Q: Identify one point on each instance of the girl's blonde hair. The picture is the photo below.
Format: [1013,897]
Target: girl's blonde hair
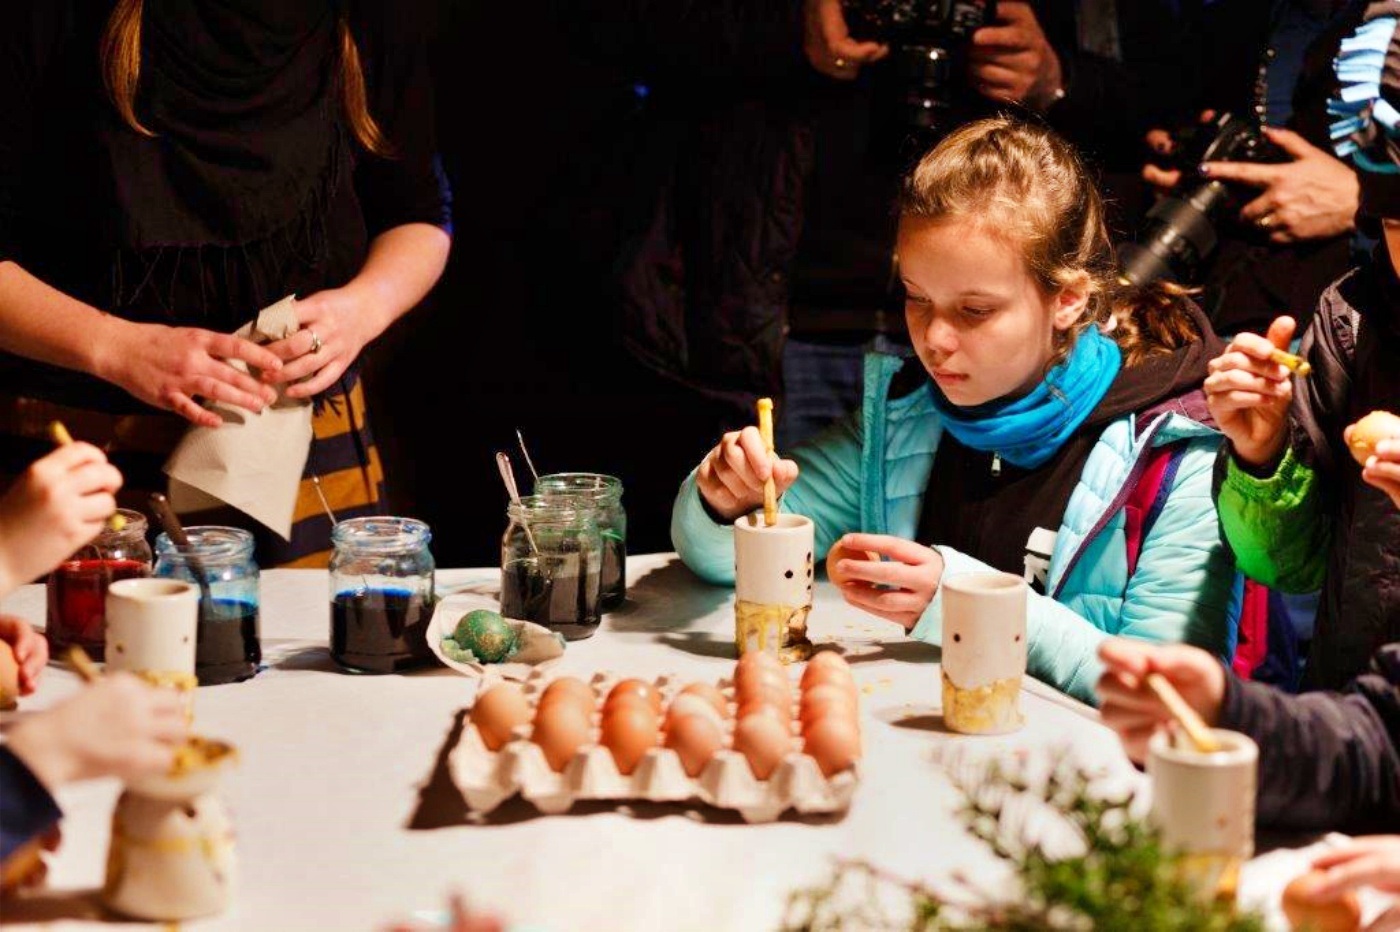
[1026,185]
[121,72]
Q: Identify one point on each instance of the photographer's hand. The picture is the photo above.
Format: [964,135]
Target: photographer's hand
[1312,197]
[1013,60]
[827,41]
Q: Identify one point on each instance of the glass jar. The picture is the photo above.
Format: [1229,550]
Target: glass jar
[551,565]
[381,594]
[604,495]
[221,564]
[77,588]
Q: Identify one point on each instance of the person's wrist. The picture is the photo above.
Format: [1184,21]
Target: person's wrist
[35,741]
[1259,461]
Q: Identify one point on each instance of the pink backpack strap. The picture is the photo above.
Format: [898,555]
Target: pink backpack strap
[1147,497]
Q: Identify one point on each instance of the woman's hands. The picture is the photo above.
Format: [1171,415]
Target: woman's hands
[1248,394]
[731,477]
[169,367]
[897,588]
[336,324]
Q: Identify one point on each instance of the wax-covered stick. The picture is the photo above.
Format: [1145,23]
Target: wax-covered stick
[1294,363]
[770,488]
[1201,736]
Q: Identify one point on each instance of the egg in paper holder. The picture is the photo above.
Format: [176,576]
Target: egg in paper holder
[488,778]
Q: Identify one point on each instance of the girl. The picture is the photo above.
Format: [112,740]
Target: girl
[1051,431]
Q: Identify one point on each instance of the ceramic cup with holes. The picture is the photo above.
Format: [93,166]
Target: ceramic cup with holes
[1203,804]
[152,626]
[984,652]
[773,580]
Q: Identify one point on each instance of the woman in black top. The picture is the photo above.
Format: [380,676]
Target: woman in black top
[168,168]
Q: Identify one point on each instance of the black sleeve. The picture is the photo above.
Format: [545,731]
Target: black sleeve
[33,29]
[1320,406]
[26,808]
[409,184]
[1326,760]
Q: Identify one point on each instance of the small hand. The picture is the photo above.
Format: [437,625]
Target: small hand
[1315,196]
[1130,707]
[56,505]
[1248,394]
[118,726]
[169,367]
[827,41]
[911,571]
[30,648]
[1382,469]
[333,332]
[1013,60]
[1367,861]
[731,477]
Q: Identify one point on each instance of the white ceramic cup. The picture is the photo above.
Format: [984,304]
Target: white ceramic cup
[984,652]
[152,625]
[773,567]
[1203,804]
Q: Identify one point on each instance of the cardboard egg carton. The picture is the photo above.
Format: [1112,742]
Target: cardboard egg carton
[488,778]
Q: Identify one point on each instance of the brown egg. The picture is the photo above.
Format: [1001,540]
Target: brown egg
[711,694]
[560,730]
[571,690]
[1338,915]
[695,739]
[824,674]
[782,714]
[9,677]
[758,658]
[763,741]
[634,687]
[498,711]
[838,553]
[754,682]
[833,743]
[1369,431]
[629,731]
[824,700]
[684,706]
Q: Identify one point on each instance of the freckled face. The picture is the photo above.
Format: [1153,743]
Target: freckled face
[980,325]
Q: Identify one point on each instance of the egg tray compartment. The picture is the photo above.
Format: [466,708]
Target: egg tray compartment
[488,778]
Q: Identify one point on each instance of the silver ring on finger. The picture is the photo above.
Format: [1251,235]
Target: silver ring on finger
[316,343]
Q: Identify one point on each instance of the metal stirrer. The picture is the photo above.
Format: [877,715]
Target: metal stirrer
[508,477]
[526,453]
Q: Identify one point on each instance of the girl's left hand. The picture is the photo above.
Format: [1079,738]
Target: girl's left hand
[334,329]
[1382,469]
[912,570]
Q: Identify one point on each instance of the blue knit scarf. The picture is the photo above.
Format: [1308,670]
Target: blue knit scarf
[1026,431]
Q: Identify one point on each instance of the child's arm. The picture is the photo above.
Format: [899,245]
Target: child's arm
[1326,760]
[1181,591]
[827,490]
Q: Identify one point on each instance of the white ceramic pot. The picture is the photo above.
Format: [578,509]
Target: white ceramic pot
[984,652]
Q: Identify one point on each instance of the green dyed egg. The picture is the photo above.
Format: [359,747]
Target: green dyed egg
[486,634]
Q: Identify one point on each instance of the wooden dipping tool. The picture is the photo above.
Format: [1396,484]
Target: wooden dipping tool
[1196,729]
[83,664]
[60,436]
[770,488]
[1293,363]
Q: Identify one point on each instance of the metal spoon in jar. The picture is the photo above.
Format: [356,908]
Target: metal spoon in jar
[508,477]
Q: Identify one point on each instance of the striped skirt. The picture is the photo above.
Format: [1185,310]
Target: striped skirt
[342,454]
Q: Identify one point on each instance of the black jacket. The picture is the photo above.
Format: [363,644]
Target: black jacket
[1327,760]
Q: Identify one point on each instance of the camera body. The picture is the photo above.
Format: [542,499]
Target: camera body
[928,41]
[1179,233]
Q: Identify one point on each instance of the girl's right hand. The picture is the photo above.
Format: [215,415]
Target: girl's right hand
[732,476]
[1248,394]
[169,367]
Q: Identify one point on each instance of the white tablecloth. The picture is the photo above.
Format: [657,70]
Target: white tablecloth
[346,818]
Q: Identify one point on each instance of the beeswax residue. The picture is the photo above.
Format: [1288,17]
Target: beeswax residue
[992,709]
[780,629]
